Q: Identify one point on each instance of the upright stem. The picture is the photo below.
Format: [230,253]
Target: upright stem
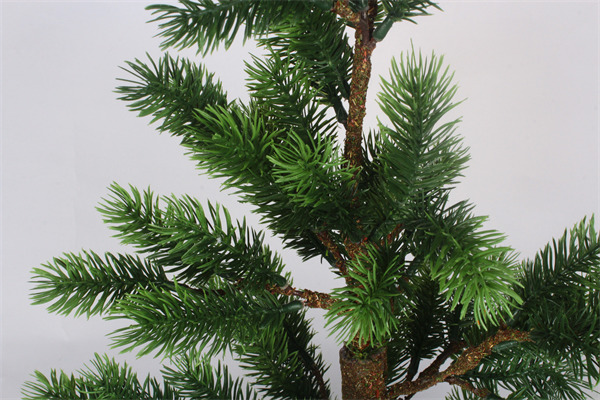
[362,377]
[361,74]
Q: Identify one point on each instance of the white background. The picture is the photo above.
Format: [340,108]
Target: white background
[528,69]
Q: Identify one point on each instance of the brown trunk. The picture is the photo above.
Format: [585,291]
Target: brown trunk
[363,378]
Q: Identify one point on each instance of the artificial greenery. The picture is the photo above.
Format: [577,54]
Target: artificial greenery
[423,285]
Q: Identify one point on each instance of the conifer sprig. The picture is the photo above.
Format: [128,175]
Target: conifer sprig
[364,310]
[105,379]
[522,370]
[286,365]
[421,152]
[88,284]
[396,11]
[170,89]
[326,57]
[180,236]
[421,330]
[205,23]
[469,264]
[561,299]
[170,322]
[195,378]
[288,96]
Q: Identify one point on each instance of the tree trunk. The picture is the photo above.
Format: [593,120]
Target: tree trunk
[363,378]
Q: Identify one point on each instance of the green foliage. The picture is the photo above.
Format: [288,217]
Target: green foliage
[522,369]
[422,274]
[468,263]
[105,380]
[284,364]
[195,378]
[419,157]
[286,95]
[400,10]
[365,310]
[181,238]
[170,89]
[87,284]
[242,148]
[561,300]
[420,154]
[233,143]
[313,176]
[205,24]
[214,318]
[407,9]
[421,329]
[324,57]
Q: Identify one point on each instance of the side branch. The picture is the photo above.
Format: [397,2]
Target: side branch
[342,8]
[472,356]
[333,248]
[468,359]
[310,365]
[467,386]
[434,368]
[311,299]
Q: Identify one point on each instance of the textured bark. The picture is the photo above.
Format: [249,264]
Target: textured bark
[361,74]
[466,361]
[363,378]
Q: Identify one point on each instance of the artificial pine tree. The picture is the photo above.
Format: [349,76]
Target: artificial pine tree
[428,295]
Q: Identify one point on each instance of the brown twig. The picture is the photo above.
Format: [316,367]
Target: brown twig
[449,351]
[309,363]
[467,386]
[393,235]
[469,359]
[332,247]
[342,8]
[311,298]
[361,74]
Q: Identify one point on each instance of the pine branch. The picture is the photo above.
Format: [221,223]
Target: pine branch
[561,299]
[235,142]
[170,323]
[195,378]
[324,56]
[205,24]
[105,380]
[425,328]
[311,364]
[242,149]
[528,372]
[87,284]
[171,90]
[468,360]
[181,237]
[396,11]
[419,153]
[282,88]
[363,310]
[284,364]
[466,260]
[310,298]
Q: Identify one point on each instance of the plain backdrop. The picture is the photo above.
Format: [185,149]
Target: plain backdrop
[527,69]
